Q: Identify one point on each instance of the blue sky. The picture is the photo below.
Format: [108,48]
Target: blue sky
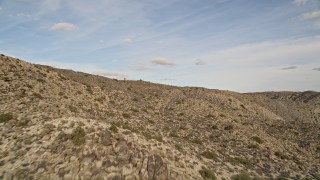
[239,45]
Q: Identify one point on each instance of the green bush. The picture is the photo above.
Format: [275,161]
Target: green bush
[253,146]
[89,89]
[257,139]
[197,141]
[210,116]
[37,95]
[239,160]
[5,117]
[125,115]
[78,136]
[210,155]
[229,127]
[207,174]
[114,128]
[241,176]
[281,155]
[214,126]
[148,135]
[72,108]
[178,147]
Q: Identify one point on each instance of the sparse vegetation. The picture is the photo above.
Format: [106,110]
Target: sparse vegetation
[5,117]
[66,125]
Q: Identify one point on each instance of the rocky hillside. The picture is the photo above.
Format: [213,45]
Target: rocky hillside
[61,124]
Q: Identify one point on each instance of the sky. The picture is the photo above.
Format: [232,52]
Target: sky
[237,45]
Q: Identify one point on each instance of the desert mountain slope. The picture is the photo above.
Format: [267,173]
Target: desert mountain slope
[61,124]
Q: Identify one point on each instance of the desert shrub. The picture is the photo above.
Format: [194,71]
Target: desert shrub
[62,77]
[239,160]
[148,135]
[178,147]
[173,134]
[241,176]
[79,92]
[89,89]
[209,155]
[5,117]
[214,126]
[252,146]
[78,136]
[207,174]
[127,126]
[113,128]
[296,160]
[125,115]
[100,99]
[141,128]
[37,95]
[281,155]
[134,110]
[210,116]
[222,115]
[72,108]
[41,80]
[197,141]
[229,127]
[257,139]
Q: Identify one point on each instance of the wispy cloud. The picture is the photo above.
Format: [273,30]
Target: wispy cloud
[300,2]
[270,52]
[316,69]
[162,61]
[127,40]
[199,62]
[315,15]
[289,68]
[159,61]
[167,79]
[23,15]
[50,5]
[63,26]
[110,74]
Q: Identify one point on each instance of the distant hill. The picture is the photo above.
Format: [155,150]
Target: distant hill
[62,124]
